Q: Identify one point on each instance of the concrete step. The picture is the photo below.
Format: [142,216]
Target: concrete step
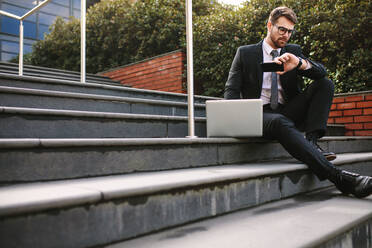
[38,71]
[323,219]
[53,123]
[47,99]
[92,88]
[30,160]
[99,211]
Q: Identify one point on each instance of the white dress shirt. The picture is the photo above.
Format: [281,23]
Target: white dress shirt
[266,82]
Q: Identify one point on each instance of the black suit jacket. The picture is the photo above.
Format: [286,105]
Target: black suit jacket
[245,76]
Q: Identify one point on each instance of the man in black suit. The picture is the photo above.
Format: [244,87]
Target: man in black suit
[288,109]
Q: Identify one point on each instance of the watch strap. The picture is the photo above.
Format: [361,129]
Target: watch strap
[299,63]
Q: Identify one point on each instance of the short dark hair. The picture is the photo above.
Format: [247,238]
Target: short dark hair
[282,11]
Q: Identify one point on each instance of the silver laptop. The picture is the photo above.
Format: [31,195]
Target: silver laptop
[234,118]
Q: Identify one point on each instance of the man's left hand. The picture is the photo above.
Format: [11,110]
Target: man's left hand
[289,60]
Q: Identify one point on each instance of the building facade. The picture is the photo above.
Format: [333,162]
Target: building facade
[35,26]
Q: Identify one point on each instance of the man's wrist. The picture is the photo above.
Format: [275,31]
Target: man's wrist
[300,63]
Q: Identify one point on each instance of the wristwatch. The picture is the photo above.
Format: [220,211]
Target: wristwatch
[299,63]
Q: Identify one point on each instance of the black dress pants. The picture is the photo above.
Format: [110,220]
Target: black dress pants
[307,112]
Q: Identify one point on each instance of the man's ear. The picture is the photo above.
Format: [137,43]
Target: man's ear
[269,24]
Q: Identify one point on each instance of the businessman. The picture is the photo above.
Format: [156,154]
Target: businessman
[288,108]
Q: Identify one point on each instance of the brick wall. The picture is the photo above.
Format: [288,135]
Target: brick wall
[163,73]
[354,111]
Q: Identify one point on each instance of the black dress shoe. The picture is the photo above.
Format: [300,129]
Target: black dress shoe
[355,184]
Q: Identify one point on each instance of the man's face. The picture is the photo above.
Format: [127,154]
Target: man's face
[277,34]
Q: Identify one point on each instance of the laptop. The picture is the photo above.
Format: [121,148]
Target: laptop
[234,118]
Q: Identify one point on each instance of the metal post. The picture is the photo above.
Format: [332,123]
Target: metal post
[190,69]
[20,66]
[82,41]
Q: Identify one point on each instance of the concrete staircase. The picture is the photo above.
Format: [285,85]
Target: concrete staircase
[98,165]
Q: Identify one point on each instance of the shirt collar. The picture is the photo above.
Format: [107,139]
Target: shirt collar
[267,48]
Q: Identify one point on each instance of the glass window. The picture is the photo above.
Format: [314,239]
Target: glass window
[62,2]
[9,46]
[56,9]
[8,56]
[28,4]
[27,48]
[77,4]
[9,25]
[13,47]
[29,29]
[43,29]
[46,19]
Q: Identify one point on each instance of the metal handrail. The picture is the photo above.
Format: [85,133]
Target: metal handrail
[190,70]
[189,48]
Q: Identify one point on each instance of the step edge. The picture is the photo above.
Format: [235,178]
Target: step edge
[93,114]
[63,94]
[8,143]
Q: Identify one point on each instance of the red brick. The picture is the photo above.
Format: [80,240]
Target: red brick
[338,99]
[367,111]
[352,112]
[354,98]
[349,133]
[363,133]
[344,120]
[349,105]
[331,120]
[334,106]
[368,97]
[354,126]
[363,118]
[335,113]
[367,125]
[367,104]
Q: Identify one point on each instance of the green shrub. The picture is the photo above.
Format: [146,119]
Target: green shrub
[118,32]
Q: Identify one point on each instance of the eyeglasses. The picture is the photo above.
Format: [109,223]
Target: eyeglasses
[283,30]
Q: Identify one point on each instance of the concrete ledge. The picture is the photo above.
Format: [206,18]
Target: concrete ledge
[129,206]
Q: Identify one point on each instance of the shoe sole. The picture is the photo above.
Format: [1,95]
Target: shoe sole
[331,157]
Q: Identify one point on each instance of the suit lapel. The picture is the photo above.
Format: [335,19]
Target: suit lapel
[259,56]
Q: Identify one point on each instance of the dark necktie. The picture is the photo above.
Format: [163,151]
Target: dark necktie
[274,84]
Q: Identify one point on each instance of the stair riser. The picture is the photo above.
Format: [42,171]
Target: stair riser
[99,90]
[45,102]
[49,126]
[121,219]
[85,160]
[358,237]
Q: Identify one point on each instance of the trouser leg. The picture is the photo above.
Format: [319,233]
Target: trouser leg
[310,109]
[279,127]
